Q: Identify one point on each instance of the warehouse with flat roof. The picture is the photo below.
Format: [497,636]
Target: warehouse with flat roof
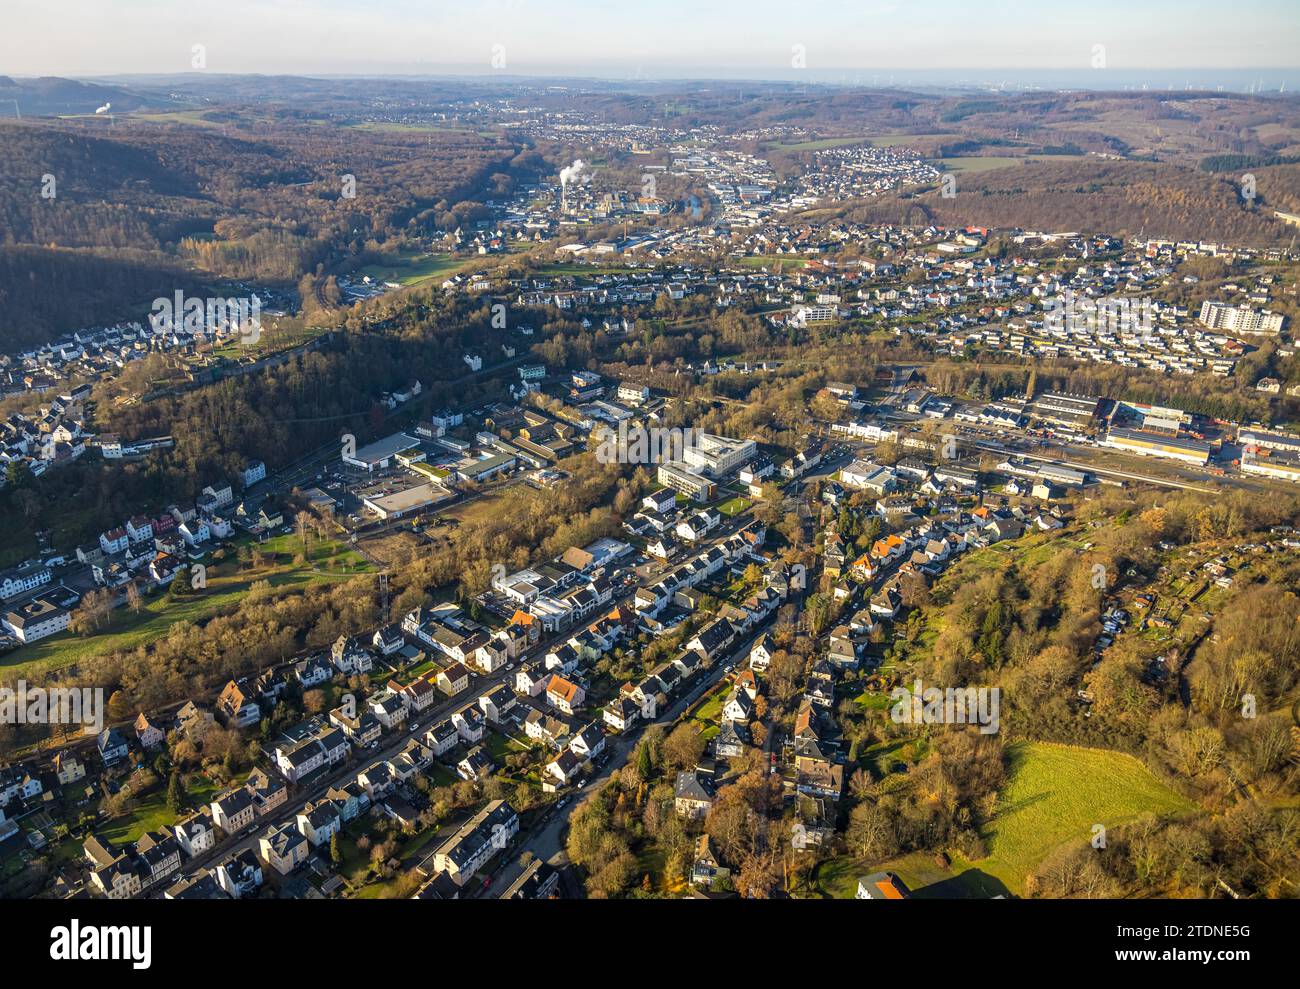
[1151,445]
[1068,410]
[1062,475]
[1271,463]
[400,503]
[1269,439]
[380,454]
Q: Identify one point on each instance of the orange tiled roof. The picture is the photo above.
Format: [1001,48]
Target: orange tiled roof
[562,688]
[889,890]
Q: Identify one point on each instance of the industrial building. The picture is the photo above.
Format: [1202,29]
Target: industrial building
[1271,463]
[380,454]
[863,475]
[1269,440]
[399,503]
[1068,410]
[1151,445]
[1062,476]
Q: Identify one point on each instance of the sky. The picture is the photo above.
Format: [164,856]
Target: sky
[758,39]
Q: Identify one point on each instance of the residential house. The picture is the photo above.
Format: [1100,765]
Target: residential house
[739,706]
[882,886]
[112,746]
[589,743]
[476,841]
[442,737]
[495,703]
[237,707]
[298,761]
[693,794]
[239,875]
[564,768]
[268,792]
[565,695]
[707,871]
[234,811]
[731,740]
[283,847]
[453,679]
[389,640]
[388,709]
[318,822]
[477,764]
[195,834]
[68,768]
[470,724]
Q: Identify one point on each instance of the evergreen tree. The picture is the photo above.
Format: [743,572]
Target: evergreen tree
[176,796]
[644,768]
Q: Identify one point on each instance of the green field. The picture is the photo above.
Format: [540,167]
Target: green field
[975,165]
[838,878]
[499,747]
[393,127]
[415,269]
[821,144]
[227,585]
[708,713]
[894,140]
[790,261]
[1054,796]
[276,335]
[196,118]
[734,506]
[153,814]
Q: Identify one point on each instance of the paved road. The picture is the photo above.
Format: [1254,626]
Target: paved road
[546,841]
[393,744]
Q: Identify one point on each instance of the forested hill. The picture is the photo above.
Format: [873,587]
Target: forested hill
[260,204]
[43,291]
[51,95]
[1120,198]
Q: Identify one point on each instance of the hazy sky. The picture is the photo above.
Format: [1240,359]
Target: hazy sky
[756,38]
